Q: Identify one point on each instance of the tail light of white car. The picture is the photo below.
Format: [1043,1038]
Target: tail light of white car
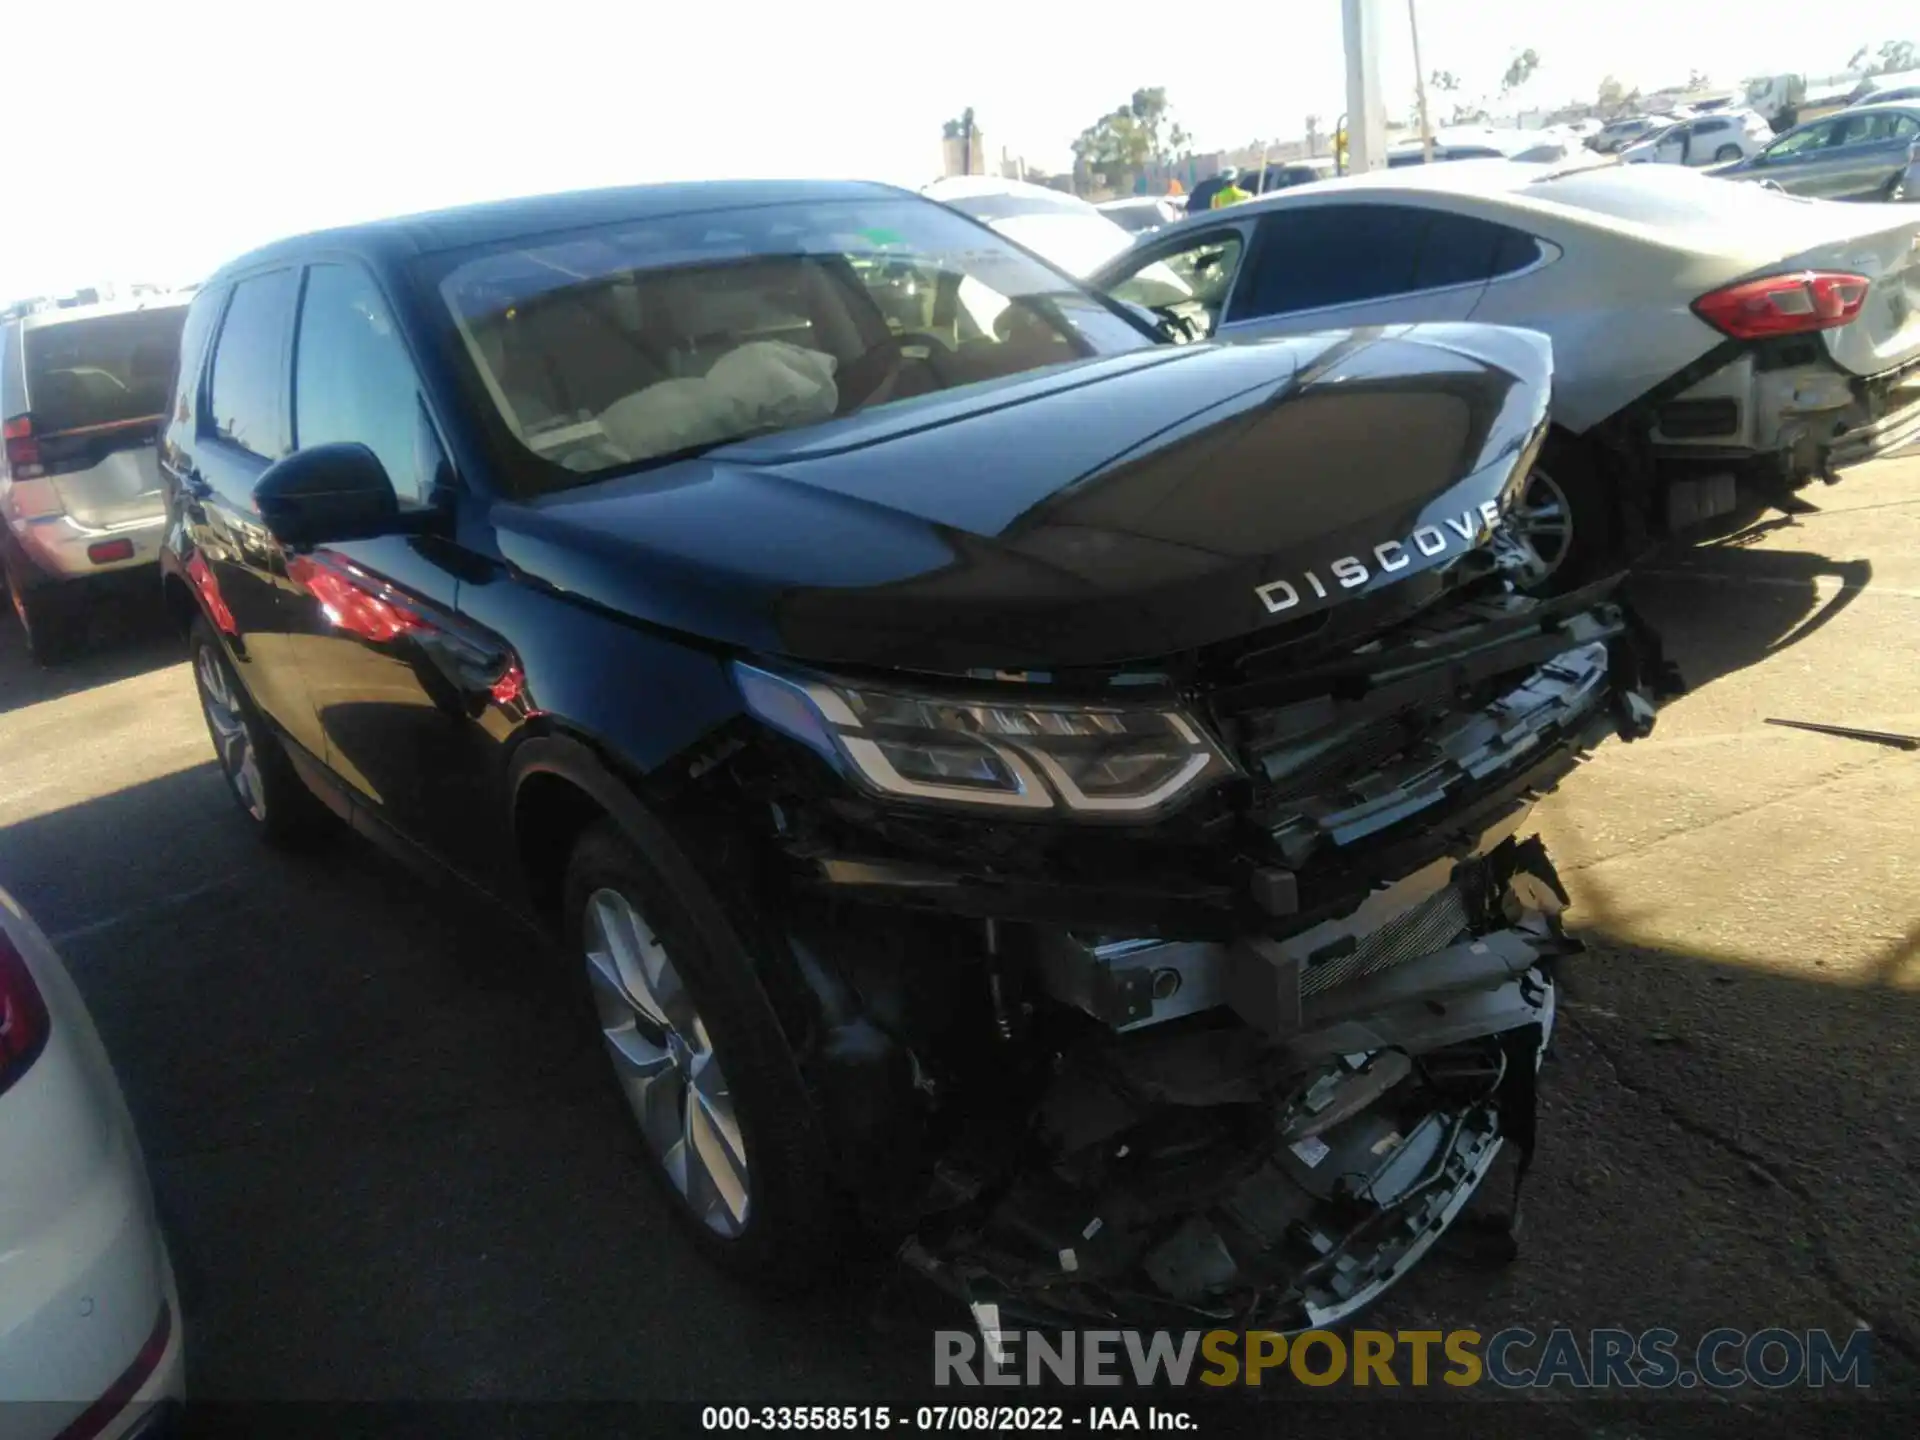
[1784,304]
[24,1024]
[30,495]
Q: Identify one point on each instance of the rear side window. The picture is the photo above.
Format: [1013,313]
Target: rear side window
[1325,255]
[101,371]
[247,398]
[1349,254]
[1892,127]
[1465,250]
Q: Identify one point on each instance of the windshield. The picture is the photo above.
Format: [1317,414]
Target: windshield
[1005,206]
[103,370]
[608,348]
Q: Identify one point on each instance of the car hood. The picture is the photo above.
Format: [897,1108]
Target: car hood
[1090,514]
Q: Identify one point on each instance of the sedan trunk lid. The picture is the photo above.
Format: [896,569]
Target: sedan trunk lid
[1884,245]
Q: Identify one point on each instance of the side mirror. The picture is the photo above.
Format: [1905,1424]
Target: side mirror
[325,494]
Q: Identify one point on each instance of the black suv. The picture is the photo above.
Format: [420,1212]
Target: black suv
[1044,793]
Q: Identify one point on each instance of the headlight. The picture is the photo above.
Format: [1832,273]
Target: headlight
[1089,760]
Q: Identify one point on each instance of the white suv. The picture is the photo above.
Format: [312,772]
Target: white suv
[82,395]
[1711,139]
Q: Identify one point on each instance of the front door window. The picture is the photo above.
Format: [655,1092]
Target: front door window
[1187,286]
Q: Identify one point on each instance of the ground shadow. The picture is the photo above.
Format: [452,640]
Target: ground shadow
[1723,605]
[125,639]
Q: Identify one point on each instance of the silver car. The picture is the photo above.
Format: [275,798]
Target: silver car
[82,395]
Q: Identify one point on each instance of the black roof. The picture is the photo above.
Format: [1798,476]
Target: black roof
[494,221]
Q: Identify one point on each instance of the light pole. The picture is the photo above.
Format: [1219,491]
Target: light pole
[1366,108]
[1420,83]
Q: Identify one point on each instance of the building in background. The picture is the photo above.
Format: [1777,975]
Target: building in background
[965,153]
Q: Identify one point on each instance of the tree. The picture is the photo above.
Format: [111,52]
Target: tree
[1520,71]
[1615,97]
[1120,145]
[1890,57]
[1465,112]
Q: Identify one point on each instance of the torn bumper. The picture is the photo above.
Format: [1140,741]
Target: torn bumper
[1275,1067]
[1283,1154]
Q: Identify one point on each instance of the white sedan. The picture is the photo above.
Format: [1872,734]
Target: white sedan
[1709,339]
[1716,138]
[90,1335]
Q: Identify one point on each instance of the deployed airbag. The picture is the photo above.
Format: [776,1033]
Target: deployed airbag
[763,385]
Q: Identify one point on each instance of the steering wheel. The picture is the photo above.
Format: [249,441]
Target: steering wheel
[864,377]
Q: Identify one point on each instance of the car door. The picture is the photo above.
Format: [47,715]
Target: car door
[1869,150]
[1326,267]
[230,424]
[1706,138]
[1669,147]
[395,675]
[1184,280]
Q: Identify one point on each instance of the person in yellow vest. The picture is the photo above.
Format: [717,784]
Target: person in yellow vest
[1229,193]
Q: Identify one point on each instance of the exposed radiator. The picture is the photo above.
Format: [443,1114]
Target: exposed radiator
[1431,925]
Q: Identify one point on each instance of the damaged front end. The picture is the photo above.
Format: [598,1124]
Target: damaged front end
[1241,1060]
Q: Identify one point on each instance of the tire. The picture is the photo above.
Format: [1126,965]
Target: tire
[54,624]
[682,1015]
[252,760]
[1726,153]
[1581,542]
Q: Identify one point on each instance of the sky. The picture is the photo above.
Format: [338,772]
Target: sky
[155,143]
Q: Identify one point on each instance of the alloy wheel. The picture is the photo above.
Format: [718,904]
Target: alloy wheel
[664,1059]
[232,739]
[1543,526]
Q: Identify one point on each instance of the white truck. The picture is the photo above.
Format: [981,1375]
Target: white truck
[1788,100]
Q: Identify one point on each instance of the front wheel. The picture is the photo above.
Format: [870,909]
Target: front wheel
[1726,153]
[700,1059]
[1566,521]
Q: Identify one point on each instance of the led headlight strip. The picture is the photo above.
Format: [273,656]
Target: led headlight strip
[1093,761]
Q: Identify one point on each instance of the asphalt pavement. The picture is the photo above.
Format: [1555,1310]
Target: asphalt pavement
[393,1168]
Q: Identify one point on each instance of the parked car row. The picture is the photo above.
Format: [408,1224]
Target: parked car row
[989,744]
[1867,152]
